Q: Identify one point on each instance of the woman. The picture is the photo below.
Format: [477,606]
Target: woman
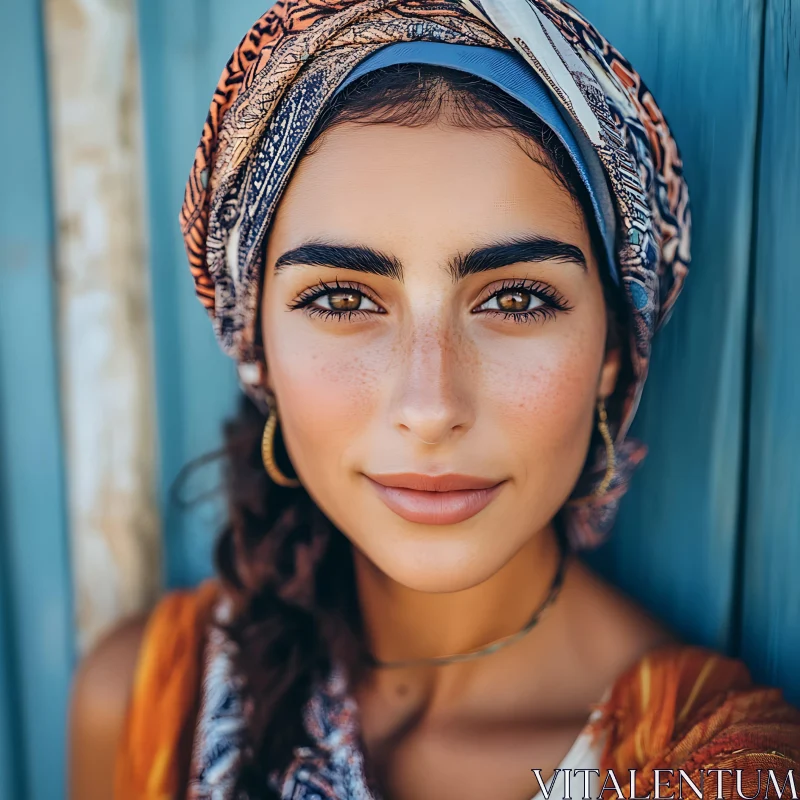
[437,237]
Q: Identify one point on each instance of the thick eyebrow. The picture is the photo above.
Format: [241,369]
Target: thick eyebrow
[365,259]
[360,259]
[516,251]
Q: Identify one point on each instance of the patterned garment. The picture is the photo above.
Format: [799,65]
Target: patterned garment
[331,769]
[290,64]
[678,707]
[644,721]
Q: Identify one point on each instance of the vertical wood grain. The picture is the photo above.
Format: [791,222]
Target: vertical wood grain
[770,636]
[104,309]
[36,628]
[10,777]
[675,542]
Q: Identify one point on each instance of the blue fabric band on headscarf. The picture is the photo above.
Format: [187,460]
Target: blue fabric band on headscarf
[510,72]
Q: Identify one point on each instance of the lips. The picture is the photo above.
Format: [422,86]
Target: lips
[435,499]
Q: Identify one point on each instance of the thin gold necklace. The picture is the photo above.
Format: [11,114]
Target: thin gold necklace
[492,647]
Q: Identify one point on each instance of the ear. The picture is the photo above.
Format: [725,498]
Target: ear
[609,373]
[266,379]
[255,374]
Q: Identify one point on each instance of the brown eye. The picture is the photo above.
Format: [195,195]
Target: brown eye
[344,301]
[513,300]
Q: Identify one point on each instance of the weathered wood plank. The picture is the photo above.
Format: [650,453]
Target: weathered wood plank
[104,310]
[675,543]
[771,601]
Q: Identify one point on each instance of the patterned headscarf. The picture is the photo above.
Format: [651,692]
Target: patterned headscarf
[290,64]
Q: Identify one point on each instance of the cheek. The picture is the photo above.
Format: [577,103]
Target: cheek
[326,390]
[541,394]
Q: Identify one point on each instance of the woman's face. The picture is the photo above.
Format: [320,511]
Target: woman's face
[432,307]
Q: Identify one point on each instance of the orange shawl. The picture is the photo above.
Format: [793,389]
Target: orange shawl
[155,750]
[690,708]
[679,706]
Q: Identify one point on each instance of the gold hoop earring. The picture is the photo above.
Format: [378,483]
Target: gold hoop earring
[267,444]
[611,462]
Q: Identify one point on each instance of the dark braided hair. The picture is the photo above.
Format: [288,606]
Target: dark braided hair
[288,570]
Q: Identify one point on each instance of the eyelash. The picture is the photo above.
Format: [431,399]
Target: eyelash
[308,296]
[553,302]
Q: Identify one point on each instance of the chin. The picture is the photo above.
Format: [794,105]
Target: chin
[440,560]
[437,558]
[439,578]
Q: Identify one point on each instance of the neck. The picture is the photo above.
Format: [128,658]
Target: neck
[401,623]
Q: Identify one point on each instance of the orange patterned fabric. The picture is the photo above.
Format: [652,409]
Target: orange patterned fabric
[287,25]
[153,758]
[678,707]
[690,708]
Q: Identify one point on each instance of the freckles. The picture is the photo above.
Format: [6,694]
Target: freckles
[330,386]
[439,349]
[353,378]
[565,389]
[543,388]
[468,354]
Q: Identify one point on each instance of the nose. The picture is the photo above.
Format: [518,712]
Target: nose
[433,400]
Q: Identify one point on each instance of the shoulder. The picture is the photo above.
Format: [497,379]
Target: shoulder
[105,675]
[676,705]
[155,745]
[134,693]
[100,694]
[610,631]
[685,706]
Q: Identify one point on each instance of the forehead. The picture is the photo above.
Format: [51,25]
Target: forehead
[434,181]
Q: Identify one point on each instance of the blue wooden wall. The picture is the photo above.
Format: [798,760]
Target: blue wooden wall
[676,543]
[709,536]
[36,640]
[189,42]
[769,603]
